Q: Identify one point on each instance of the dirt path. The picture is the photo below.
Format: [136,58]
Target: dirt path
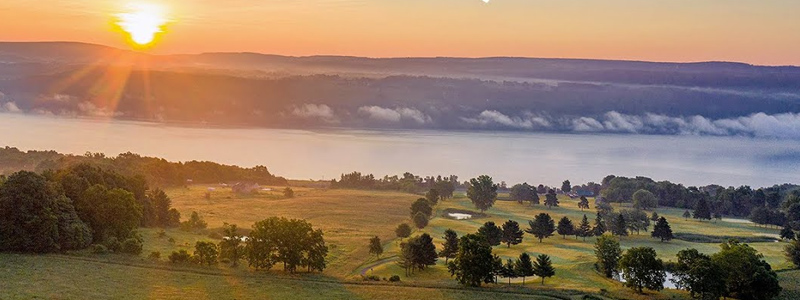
[377,263]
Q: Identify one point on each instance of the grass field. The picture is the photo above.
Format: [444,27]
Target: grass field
[349,218]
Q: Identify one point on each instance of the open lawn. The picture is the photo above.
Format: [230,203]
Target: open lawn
[349,218]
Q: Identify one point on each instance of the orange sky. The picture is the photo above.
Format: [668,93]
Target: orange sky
[753,31]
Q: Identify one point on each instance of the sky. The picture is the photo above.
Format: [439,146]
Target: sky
[765,32]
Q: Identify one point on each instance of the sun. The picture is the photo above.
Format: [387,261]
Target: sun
[142,22]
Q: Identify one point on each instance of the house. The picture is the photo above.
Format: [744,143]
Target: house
[245,187]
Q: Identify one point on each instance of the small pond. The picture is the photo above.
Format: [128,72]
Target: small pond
[460,216]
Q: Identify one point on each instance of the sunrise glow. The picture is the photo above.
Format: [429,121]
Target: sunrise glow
[142,22]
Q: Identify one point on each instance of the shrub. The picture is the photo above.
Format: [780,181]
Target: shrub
[132,246]
[371,278]
[162,233]
[171,240]
[154,255]
[179,257]
[99,249]
[113,244]
[394,278]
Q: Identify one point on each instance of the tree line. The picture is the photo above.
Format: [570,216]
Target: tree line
[156,171]
[408,182]
[72,208]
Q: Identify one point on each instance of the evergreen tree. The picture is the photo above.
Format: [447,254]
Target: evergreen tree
[375,246]
[482,191]
[565,227]
[787,233]
[599,225]
[524,266]
[509,271]
[512,235]
[654,217]
[717,216]
[584,229]
[662,230]
[701,210]
[450,245]
[551,199]
[619,226]
[492,233]
[543,267]
[584,203]
[687,214]
[542,226]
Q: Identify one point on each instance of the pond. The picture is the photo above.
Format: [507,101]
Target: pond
[668,284]
[460,216]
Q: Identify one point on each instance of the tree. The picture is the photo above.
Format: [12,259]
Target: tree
[608,253]
[375,246]
[584,229]
[687,215]
[619,227]
[432,196]
[635,220]
[482,191]
[662,230]
[787,233]
[421,206]
[565,227]
[524,266]
[34,217]
[717,216]
[474,263]
[403,231]
[792,251]
[543,267]
[450,245]
[162,206]
[642,269]
[205,253]
[524,193]
[195,222]
[551,199]
[492,233]
[112,212]
[566,187]
[644,199]
[701,210]
[747,275]
[423,251]
[231,247]
[292,242]
[420,220]
[654,217]
[698,274]
[599,225]
[288,193]
[508,270]
[542,226]
[512,235]
[584,203]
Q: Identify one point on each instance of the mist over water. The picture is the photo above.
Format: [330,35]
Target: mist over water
[506,156]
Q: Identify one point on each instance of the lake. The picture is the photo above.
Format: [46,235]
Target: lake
[507,156]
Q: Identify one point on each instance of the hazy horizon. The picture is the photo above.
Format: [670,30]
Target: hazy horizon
[740,31]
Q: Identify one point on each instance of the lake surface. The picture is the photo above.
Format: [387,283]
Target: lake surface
[507,156]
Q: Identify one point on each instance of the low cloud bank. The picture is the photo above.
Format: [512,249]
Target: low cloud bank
[394,115]
[316,111]
[785,125]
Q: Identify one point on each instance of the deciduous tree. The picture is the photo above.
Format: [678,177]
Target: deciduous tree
[608,253]
[482,191]
[642,269]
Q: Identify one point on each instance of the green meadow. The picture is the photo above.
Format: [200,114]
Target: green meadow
[349,218]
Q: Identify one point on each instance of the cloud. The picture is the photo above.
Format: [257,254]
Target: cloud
[316,111]
[394,115]
[488,118]
[9,107]
[585,124]
[89,109]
